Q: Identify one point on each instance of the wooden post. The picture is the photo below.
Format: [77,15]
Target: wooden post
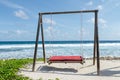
[36,45]
[97,42]
[94,48]
[42,35]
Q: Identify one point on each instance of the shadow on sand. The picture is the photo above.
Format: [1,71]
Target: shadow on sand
[111,72]
[51,69]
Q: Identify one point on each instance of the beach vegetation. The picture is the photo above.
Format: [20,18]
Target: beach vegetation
[57,79]
[9,68]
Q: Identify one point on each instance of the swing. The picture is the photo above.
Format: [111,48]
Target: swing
[96,38]
[67,59]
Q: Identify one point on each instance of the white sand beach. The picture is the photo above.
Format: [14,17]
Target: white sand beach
[110,70]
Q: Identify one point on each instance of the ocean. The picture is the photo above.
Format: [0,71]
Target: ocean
[25,49]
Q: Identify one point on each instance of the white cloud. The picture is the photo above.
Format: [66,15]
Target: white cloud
[90,3]
[13,32]
[10,4]
[52,33]
[49,31]
[21,14]
[117,4]
[49,21]
[91,20]
[50,28]
[102,0]
[3,32]
[101,21]
[83,32]
[19,32]
[100,7]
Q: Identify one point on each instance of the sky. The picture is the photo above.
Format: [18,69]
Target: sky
[19,19]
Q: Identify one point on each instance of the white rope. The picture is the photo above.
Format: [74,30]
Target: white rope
[51,26]
[50,37]
[81,35]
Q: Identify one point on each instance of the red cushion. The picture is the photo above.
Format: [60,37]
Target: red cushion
[66,58]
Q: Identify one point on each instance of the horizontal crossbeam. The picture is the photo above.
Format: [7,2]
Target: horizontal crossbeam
[68,12]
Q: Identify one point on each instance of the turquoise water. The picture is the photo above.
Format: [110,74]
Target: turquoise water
[25,49]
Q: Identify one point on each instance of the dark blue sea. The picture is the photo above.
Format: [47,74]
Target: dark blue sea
[25,49]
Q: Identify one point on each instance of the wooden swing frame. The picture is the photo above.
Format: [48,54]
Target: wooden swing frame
[96,36]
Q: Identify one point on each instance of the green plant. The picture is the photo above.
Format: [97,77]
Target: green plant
[40,79]
[9,68]
[50,79]
[57,79]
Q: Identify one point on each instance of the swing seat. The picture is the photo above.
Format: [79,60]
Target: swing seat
[66,59]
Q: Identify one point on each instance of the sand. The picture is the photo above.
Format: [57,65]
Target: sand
[110,70]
